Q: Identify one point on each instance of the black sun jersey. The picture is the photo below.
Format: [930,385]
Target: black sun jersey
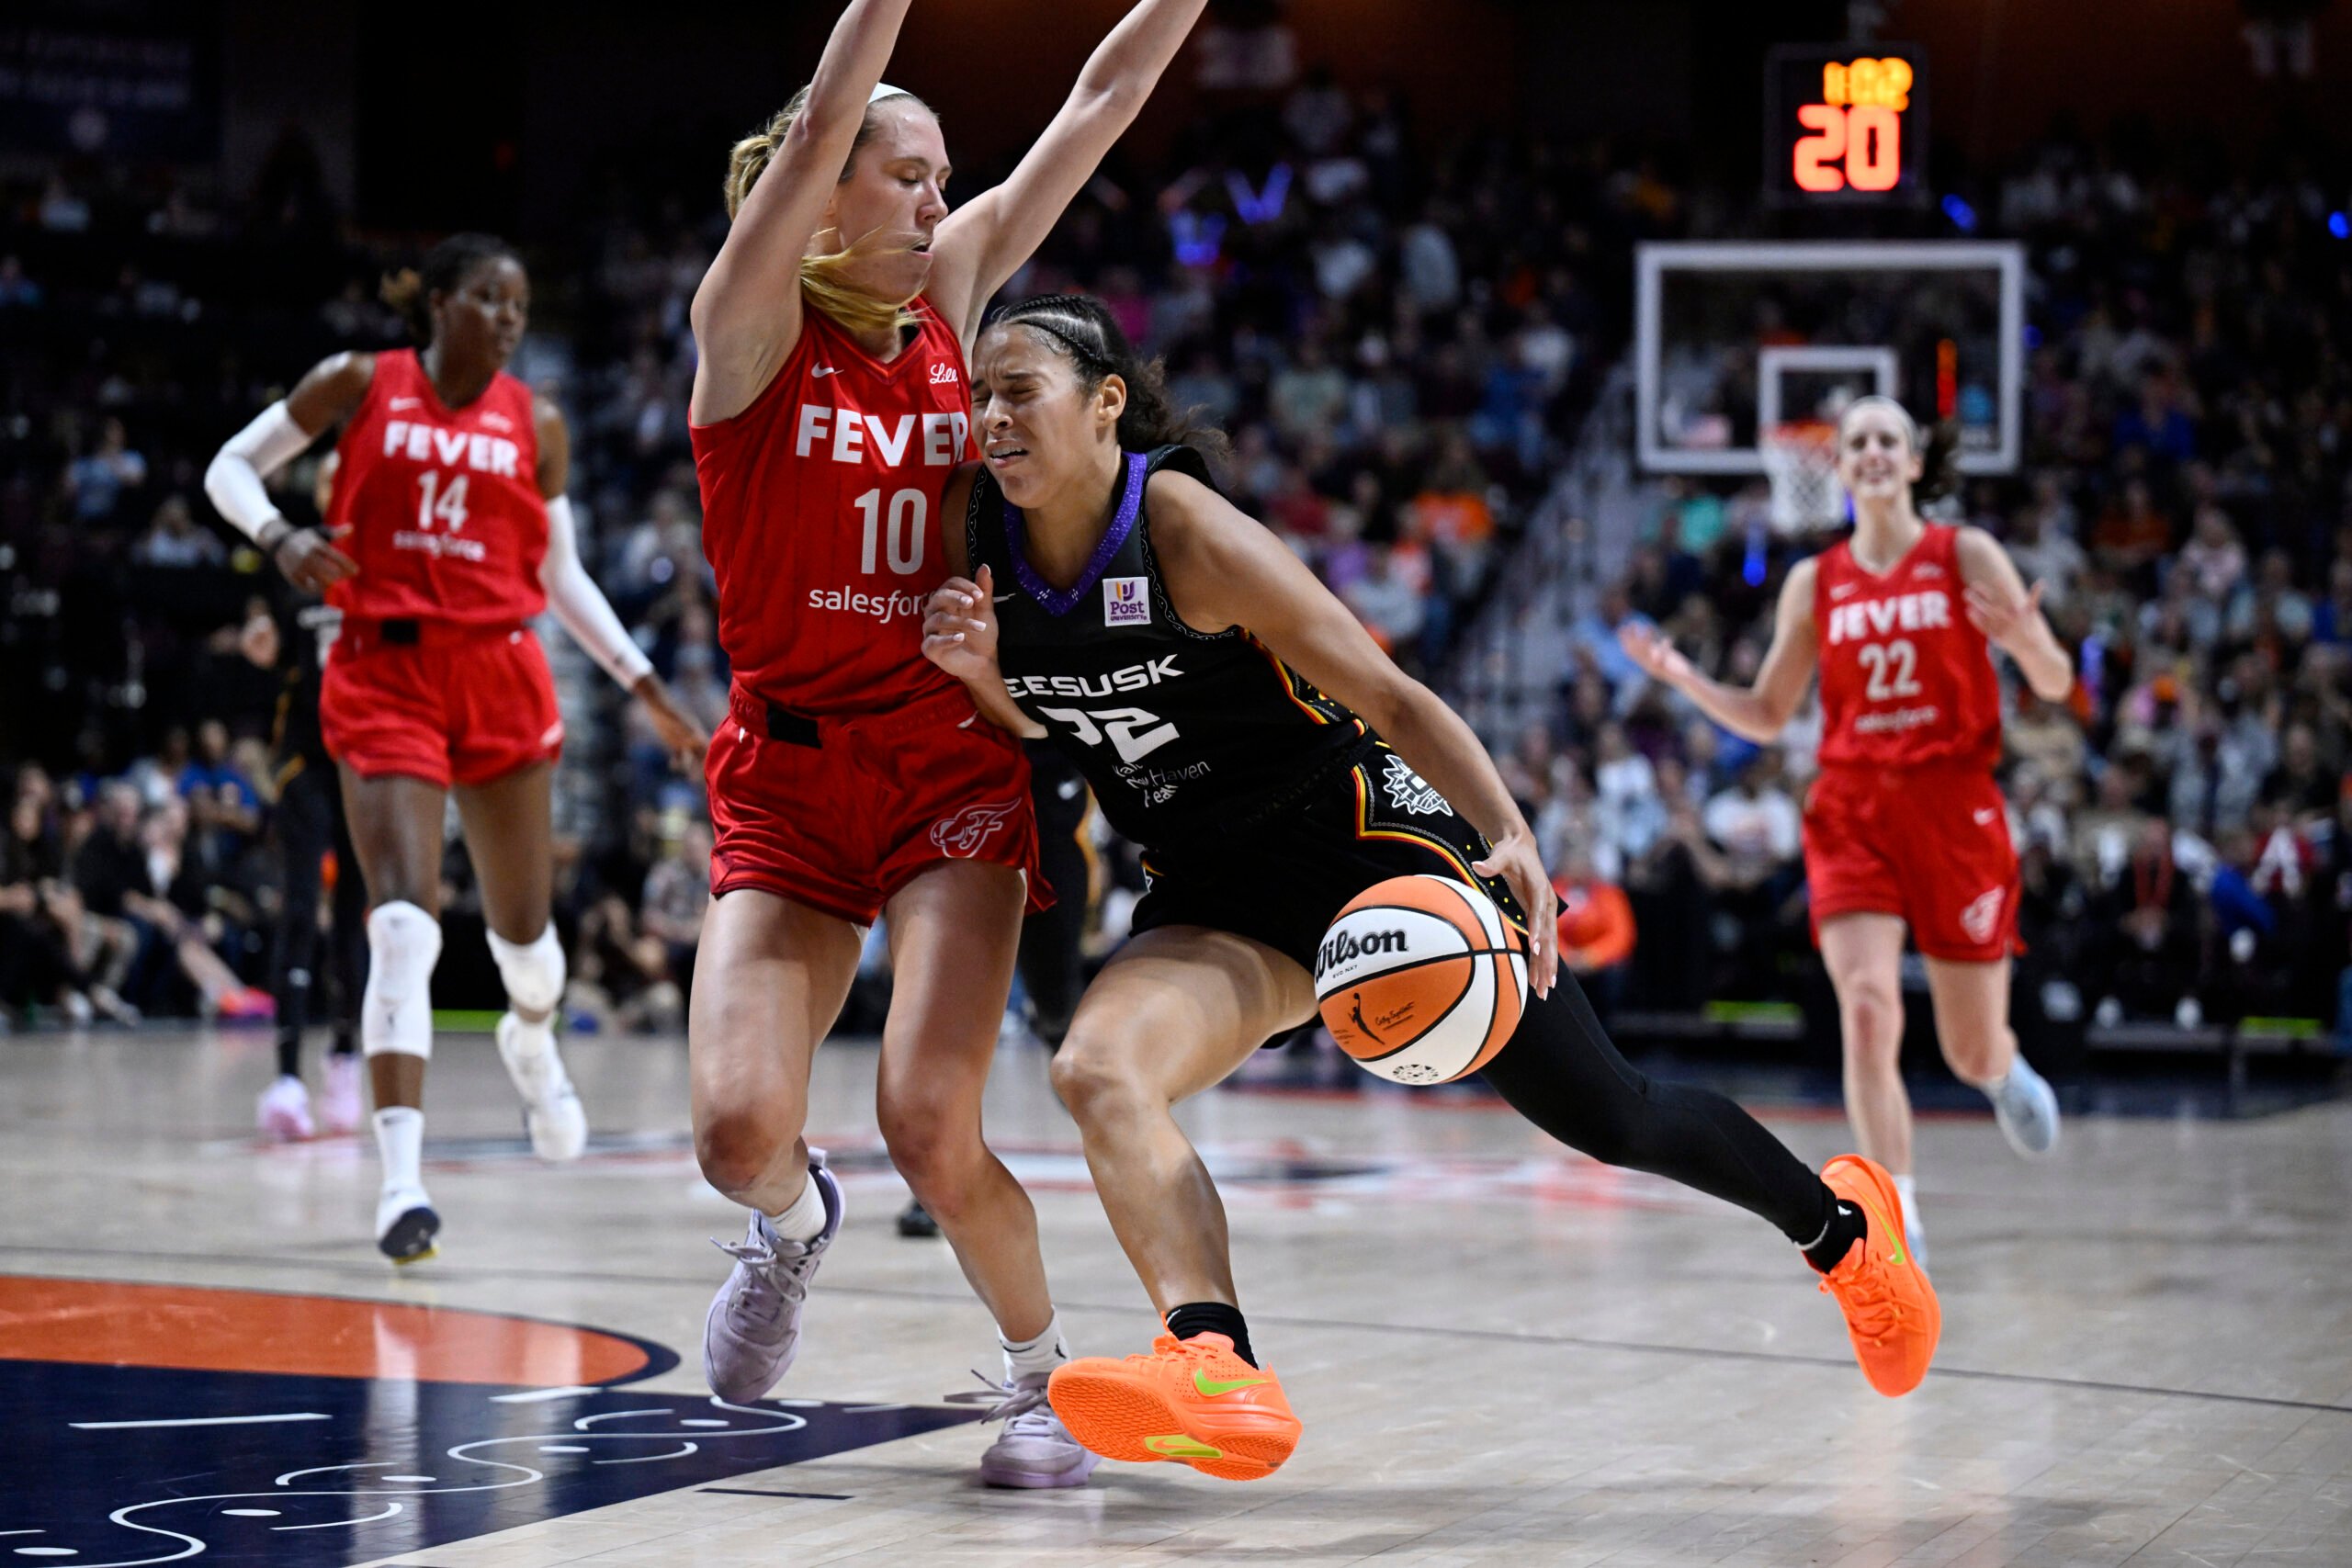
[1182,734]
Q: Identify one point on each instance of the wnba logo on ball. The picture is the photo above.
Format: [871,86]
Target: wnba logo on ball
[962,835]
[1341,946]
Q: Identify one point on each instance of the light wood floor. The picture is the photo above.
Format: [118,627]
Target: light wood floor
[1502,1352]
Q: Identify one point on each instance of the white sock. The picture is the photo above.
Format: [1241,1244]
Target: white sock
[1908,1189]
[530,1040]
[400,1143]
[803,1219]
[1032,1358]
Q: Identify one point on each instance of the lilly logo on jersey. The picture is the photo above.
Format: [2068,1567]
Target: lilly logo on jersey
[1133,678]
[961,836]
[942,375]
[1125,602]
[451,448]
[847,435]
[1881,617]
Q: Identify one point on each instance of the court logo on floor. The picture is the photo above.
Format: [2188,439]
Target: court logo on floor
[152,1424]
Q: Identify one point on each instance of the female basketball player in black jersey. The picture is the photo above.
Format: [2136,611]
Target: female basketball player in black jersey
[1236,722]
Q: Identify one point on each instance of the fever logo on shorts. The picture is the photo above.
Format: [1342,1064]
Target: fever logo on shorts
[1125,602]
[961,836]
[1983,915]
[1408,791]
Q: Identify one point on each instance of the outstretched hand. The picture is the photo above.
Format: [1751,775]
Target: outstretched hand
[959,628]
[1514,860]
[1657,655]
[2000,617]
[310,561]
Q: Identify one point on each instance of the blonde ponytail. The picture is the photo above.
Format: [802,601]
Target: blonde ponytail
[822,282]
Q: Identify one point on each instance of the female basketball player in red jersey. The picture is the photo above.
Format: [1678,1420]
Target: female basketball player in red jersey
[1905,826]
[853,779]
[448,530]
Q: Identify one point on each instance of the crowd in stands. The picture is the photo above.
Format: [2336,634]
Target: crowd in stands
[2184,821]
[1402,333]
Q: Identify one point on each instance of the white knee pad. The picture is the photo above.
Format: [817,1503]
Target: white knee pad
[403,944]
[533,971]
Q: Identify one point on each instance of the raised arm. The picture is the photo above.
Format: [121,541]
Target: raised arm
[2010,617]
[1225,570]
[985,241]
[237,479]
[1756,713]
[746,314]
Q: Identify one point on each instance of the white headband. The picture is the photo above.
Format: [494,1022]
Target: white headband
[884,90]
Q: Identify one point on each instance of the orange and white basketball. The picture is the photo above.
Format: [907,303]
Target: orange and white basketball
[1420,979]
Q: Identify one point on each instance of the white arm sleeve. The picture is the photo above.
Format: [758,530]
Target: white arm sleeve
[234,480]
[581,605]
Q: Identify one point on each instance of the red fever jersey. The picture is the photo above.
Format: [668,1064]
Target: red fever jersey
[1905,681]
[819,518]
[439,506]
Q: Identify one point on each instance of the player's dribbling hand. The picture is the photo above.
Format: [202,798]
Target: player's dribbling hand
[1514,860]
[310,561]
[1653,652]
[959,629]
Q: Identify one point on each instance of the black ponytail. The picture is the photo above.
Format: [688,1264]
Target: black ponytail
[410,291]
[1080,329]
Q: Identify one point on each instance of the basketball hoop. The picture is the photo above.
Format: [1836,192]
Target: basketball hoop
[1801,463]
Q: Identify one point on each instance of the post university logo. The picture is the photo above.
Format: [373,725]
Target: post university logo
[960,836]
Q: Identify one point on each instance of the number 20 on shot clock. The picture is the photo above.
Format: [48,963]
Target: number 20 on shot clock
[1845,124]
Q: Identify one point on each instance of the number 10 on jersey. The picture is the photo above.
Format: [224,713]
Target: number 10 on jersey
[910,518]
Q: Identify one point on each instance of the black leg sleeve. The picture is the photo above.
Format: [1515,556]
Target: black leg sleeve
[301,838]
[1050,942]
[1561,1073]
[347,939]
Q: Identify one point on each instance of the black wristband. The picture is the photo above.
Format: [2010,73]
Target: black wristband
[274,533]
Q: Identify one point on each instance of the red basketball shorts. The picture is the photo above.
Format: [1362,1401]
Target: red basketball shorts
[839,813]
[1930,845]
[445,704]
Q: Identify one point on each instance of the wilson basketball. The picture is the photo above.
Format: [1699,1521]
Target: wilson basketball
[1420,979]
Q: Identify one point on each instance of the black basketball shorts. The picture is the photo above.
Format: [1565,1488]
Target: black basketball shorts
[1283,882]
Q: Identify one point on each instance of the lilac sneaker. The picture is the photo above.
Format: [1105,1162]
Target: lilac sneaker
[1035,1449]
[755,1322]
[284,1112]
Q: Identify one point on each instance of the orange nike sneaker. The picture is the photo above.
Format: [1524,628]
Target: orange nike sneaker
[1891,1309]
[1192,1400]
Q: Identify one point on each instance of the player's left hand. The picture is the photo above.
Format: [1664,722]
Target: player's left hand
[959,628]
[1514,860]
[2000,617]
[682,734]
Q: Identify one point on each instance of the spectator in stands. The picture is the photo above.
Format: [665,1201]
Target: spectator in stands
[98,482]
[1597,928]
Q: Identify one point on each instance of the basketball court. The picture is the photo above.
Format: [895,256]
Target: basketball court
[1503,1352]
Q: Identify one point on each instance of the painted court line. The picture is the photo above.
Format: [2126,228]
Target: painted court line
[537,1395]
[756,1491]
[198,1421]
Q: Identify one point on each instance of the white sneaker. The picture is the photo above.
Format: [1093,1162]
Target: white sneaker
[406,1224]
[340,1110]
[1035,1449]
[2027,1109]
[552,1109]
[284,1112]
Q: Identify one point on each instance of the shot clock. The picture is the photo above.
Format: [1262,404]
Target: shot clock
[1845,124]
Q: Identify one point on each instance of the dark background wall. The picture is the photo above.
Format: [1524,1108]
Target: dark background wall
[507,113]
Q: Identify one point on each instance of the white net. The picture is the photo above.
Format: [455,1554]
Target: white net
[1801,465]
